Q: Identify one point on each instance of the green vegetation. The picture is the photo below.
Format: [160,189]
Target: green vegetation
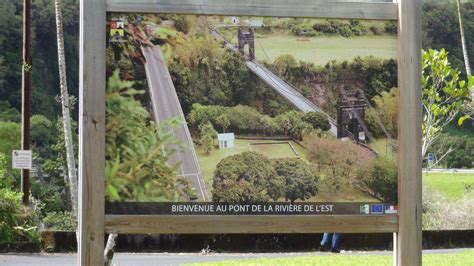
[246,177]
[137,150]
[61,221]
[444,94]
[452,185]
[379,178]
[301,181]
[208,134]
[208,162]
[453,259]
[338,160]
[245,120]
[458,150]
[17,223]
[441,29]
[323,49]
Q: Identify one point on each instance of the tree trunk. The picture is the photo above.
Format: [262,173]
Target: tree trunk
[109,249]
[463,39]
[68,141]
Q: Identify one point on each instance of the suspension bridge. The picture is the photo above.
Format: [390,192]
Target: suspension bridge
[166,105]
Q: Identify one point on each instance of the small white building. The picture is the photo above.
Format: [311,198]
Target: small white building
[226,140]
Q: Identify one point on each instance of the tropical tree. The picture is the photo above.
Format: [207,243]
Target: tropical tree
[71,164]
[444,94]
[338,160]
[463,40]
[223,121]
[387,108]
[208,134]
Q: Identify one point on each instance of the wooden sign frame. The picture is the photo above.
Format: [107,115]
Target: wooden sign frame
[93,223]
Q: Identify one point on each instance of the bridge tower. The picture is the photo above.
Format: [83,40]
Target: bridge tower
[246,38]
[350,114]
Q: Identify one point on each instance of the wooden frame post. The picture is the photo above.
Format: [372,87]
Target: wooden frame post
[91,132]
[410,117]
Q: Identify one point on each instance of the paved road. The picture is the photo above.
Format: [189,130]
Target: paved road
[152,259]
[449,171]
[166,105]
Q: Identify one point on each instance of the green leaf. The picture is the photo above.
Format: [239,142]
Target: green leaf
[462,119]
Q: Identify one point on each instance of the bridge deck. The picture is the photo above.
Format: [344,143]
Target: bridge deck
[166,105]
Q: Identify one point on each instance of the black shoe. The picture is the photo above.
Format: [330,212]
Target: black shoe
[335,250]
[323,248]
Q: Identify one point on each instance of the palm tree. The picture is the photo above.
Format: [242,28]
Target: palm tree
[463,39]
[70,160]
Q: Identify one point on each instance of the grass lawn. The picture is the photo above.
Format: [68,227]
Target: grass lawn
[451,259]
[275,151]
[322,49]
[280,149]
[383,148]
[450,184]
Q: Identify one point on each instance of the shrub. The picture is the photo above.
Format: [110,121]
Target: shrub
[336,27]
[17,223]
[391,27]
[338,160]
[301,181]
[245,119]
[372,121]
[379,178]
[304,30]
[376,30]
[201,114]
[317,120]
[62,221]
[246,177]
[137,150]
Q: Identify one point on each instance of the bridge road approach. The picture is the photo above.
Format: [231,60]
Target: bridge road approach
[165,104]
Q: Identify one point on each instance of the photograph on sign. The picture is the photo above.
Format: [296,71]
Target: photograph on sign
[250,115]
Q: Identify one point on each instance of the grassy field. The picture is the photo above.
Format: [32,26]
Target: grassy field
[322,49]
[275,151]
[451,259]
[280,149]
[451,185]
[383,148]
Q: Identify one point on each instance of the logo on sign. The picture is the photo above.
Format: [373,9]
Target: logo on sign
[390,209]
[117,30]
[376,209]
[365,209]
